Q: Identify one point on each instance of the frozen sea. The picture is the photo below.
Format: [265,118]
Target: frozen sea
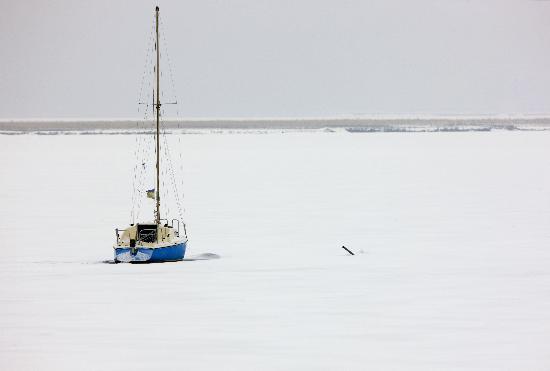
[451,231]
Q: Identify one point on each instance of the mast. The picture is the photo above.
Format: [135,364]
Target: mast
[157,216]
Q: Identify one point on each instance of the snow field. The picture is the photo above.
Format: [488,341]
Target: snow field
[454,274]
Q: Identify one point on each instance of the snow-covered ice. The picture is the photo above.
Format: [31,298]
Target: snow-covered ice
[454,274]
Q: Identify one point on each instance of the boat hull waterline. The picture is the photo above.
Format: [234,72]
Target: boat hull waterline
[150,254]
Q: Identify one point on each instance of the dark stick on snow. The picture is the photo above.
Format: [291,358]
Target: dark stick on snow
[345,248]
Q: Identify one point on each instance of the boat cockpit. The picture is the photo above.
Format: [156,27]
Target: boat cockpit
[148,234]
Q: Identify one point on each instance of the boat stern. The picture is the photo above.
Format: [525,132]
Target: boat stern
[132,255]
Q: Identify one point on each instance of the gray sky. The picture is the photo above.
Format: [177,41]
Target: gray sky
[245,58]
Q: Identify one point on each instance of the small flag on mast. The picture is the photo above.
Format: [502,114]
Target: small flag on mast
[151,193]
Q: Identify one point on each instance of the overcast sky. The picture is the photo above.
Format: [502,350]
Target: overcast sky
[245,58]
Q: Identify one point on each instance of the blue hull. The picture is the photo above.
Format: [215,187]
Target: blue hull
[150,255]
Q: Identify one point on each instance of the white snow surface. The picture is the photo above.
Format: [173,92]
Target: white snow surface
[451,231]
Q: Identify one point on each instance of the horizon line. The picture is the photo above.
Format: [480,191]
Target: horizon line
[292,118]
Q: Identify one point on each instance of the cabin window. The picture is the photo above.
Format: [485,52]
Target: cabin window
[147,233]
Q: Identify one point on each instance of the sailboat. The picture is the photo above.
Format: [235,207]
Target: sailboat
[157,241]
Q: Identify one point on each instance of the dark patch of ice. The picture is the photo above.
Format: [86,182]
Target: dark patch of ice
[204,256]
